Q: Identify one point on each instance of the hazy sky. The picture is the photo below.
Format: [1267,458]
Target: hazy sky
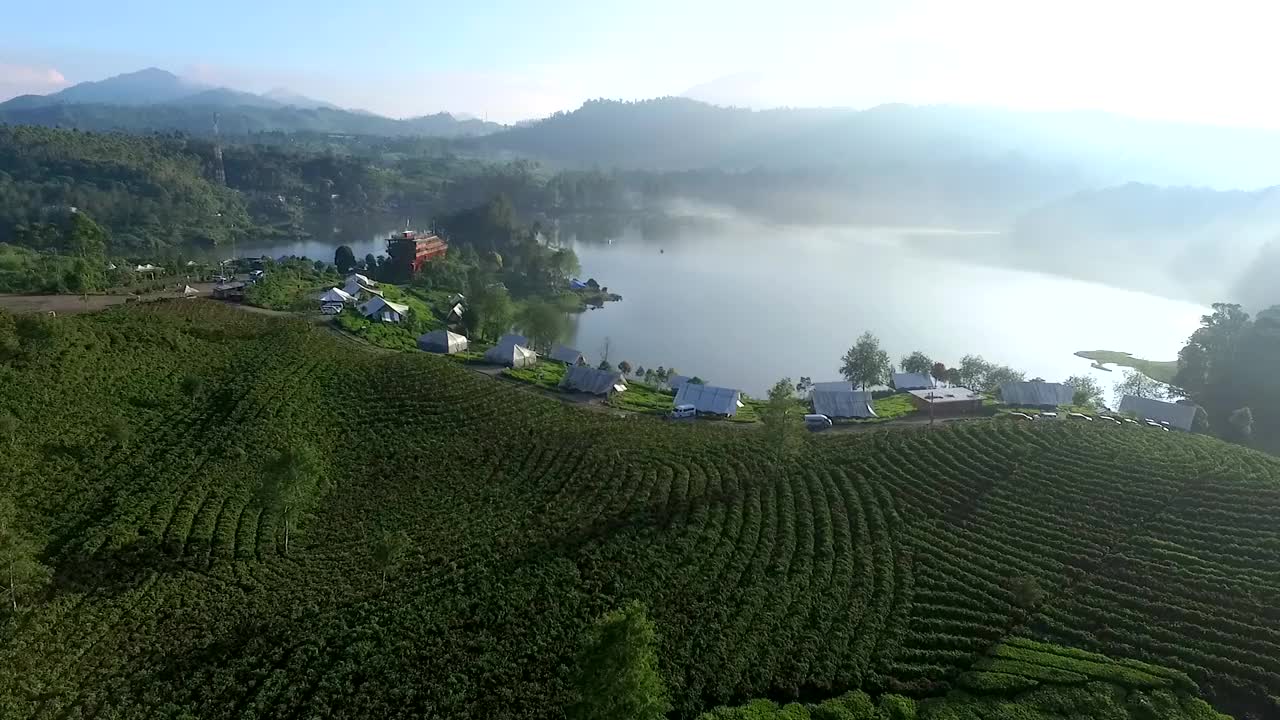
[1199,61]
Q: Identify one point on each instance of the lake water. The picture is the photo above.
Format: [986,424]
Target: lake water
[745,306]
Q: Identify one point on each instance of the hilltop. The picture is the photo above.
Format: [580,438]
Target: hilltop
[140,462]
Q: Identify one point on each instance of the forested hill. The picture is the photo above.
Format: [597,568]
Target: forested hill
[197,534]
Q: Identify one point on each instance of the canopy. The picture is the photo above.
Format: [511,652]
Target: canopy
[1177,415]
[355,289]
[590,380]
[843,403]
[456,311]
[442,341]
[361,279]
[384,310]
[456,298]
[516,356]
[189,291]
[335,295]
[567,355]
[912,381]
[1036,394]
[709,398]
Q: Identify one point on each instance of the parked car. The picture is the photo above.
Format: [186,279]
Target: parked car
[1022,415]
[817,422]
[1081,416]
[683,411]
[1049,415]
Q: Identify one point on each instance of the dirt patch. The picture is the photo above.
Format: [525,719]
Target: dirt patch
[74,304]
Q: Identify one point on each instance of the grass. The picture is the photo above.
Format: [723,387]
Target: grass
[544,374]
[1158,370]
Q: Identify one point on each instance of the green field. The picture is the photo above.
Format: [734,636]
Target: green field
[897,563]
[1159,370]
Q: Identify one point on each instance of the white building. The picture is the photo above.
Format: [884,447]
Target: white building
[384,310]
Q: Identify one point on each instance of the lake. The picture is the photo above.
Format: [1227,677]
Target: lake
[746,305]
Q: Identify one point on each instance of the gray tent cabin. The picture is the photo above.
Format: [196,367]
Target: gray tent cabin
[1036,394]
[590,380]
[843,403]
[443,342]
[511,355]
[912,381]
[567,355]
[710,399]
[1177,415]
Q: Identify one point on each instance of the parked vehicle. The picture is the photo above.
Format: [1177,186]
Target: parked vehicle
[1022,415]
[1049,415]
[817,422]
[684,411]
[1081,416]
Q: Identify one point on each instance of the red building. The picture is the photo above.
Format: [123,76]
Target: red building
[416,248]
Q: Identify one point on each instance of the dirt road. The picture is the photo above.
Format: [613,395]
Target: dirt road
[75,304]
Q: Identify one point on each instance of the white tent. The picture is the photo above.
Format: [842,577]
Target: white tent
[567,355]
[361,280]
[358,290]
[511,355]
[1177,415]
[384,310]
[912,381]
[1036,394]
[709,398]
[335,295]
[188,291]
[455,313]
[442,341]
[456,298]
[590,380]
[843,402]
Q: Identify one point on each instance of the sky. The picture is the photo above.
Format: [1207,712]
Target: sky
[508,61]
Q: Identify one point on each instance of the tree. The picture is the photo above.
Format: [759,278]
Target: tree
[388,551]
[543,324]
[192,386]
[617,670]
[491,312]
[624,367]
[289,484]
[1088,392]
[938,372]
[370,263]
[650,376]
[1139,385]
[804,385]
[1241,421]
[605,347]
[917,362]
[865,363]
[19,570]
[640,372]
[780,415]
[344,259]
[1027,593]
[118,431]
[605,365]
[9,429]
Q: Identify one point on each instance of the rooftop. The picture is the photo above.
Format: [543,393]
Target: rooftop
[946,395]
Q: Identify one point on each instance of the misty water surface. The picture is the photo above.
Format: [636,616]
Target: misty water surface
[746,306]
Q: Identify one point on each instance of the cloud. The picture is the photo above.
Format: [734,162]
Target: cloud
[28,79]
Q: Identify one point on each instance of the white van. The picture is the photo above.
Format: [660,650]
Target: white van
[817,422]
[684,411]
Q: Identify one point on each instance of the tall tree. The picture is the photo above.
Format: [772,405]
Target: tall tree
[543,324]
[917,362]
[939,372]
[1242,423]
[780,415]
[20,572]
[344,258]
[290,482]
[1088,392]
[1139,385]
[617,670]
[865,363]
[624,367]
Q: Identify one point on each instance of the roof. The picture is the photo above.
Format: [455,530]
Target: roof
[377,304]
[512,355]
[843,403]
[456,310]
[512,339]
[566,355]
[362,279]
[912,381]
[188,290]
[835,385]
[709,398]
[590,380]
[224,287]
[1177,415]
[442,341]
[942,396]
[355,288]
[336,295]
[1036,393]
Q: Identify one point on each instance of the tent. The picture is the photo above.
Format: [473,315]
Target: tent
[334,295]
[576,284]
[844,402]
[1177,415]
[357,290]
[512,339]
[456,298]
[188,291]
[912,381]
[384,310]
[567,355]
[359,279]
[1036,394]
[455,313]
[709,398]
[442,341]
[512,355]
[590,380]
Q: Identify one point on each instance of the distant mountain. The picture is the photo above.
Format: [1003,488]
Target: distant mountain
[155,100]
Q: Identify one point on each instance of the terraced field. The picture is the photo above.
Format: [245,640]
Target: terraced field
[889,562]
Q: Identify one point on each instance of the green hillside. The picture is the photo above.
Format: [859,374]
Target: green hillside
[142,466]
